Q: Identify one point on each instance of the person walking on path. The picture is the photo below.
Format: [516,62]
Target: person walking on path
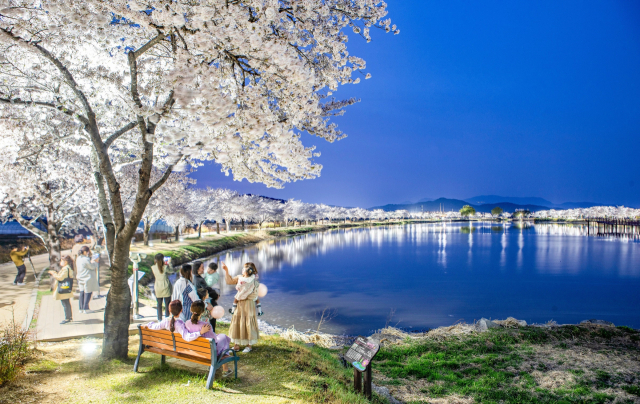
[243,329]
[185,291]
[162,286]
[87,278]
[18,258]
[65,274]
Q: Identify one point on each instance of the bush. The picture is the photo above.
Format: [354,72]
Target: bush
[15,350]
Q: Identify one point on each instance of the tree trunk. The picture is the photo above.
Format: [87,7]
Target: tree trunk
[177,232]
[242,224]
[228,223]
[105,213]
[117,311]
[147,229]
[53,241]
[200,229]
[217,227]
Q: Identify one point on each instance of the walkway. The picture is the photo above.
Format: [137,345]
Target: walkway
[83,325]
[14,300]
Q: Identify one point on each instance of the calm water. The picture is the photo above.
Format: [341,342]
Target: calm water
[428,275]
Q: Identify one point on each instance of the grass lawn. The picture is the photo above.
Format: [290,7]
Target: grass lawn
[568,364]
[277,371]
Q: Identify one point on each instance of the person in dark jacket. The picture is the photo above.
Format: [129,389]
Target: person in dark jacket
[197,269]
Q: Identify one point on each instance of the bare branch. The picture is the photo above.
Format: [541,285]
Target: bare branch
[64,110]
[164,177]
[118,133]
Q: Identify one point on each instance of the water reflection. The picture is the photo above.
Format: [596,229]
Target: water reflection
[420,271]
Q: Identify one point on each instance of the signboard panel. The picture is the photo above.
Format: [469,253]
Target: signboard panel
[362,352]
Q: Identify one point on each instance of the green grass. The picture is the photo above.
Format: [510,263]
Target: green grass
[203,248]
[496,367]
[276,371]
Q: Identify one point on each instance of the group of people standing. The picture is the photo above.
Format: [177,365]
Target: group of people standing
[188,302]
[197,291]
[84,268]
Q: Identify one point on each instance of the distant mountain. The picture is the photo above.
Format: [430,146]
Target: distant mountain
[488,199]
[484,199]
[575,205]
[508,207]
[444,204]
[447,205]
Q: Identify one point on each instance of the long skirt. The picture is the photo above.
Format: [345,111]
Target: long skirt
[222,343]
[244,324]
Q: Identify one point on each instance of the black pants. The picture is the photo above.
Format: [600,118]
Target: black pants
[66,305]
[22,271]
[83,300]
[159,300]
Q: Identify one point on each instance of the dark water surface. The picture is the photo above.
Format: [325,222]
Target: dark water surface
[428,275]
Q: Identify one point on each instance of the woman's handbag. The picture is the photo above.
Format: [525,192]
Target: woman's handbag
[66,285]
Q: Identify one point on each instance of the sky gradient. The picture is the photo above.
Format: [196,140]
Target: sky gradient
[507,98]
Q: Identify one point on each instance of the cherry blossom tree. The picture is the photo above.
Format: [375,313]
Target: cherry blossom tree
[58,194]
[166,83]
[292,210]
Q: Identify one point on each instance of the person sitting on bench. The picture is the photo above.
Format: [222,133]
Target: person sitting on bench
[174,324]
[195,325]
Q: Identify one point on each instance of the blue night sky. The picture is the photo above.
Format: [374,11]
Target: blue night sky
[509,98]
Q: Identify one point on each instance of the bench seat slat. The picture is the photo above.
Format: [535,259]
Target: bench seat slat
[181,348]
[158,345]
[177,355]
[203,342]
[163,339]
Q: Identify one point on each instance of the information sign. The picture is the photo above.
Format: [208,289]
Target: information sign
[362,352]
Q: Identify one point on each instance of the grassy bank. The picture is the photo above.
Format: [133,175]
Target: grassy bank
[277,371]
[192,249]
[567,364]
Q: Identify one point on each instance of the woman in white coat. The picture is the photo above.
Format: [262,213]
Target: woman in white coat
[87,278]
[185,291]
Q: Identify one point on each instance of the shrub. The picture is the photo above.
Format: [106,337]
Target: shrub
[15,350]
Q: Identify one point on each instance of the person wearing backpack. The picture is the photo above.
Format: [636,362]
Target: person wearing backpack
[63,288]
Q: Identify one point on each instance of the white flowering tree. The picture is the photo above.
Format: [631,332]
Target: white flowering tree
[165,83]
[292,210]
[198,205]
[58,194]
[266,209]
[161,202]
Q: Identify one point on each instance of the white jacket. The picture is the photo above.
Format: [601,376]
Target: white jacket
[87,276]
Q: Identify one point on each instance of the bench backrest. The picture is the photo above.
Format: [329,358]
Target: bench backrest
[165,339]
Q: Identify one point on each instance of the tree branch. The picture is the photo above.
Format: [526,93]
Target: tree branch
[118,133]
[70,112]
[164,177]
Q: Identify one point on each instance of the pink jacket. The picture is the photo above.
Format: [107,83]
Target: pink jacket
[179,328]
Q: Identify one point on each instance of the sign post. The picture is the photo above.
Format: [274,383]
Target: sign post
[360,355]
[136,258]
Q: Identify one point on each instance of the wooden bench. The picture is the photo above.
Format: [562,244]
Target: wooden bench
[164,237]
[202,351]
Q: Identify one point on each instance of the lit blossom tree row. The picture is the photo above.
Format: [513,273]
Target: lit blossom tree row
[167,84]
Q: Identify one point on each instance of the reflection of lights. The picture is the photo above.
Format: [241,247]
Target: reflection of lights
[88,348]
[150,244]
[276,254]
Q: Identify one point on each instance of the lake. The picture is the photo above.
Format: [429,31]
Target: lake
[422,276]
